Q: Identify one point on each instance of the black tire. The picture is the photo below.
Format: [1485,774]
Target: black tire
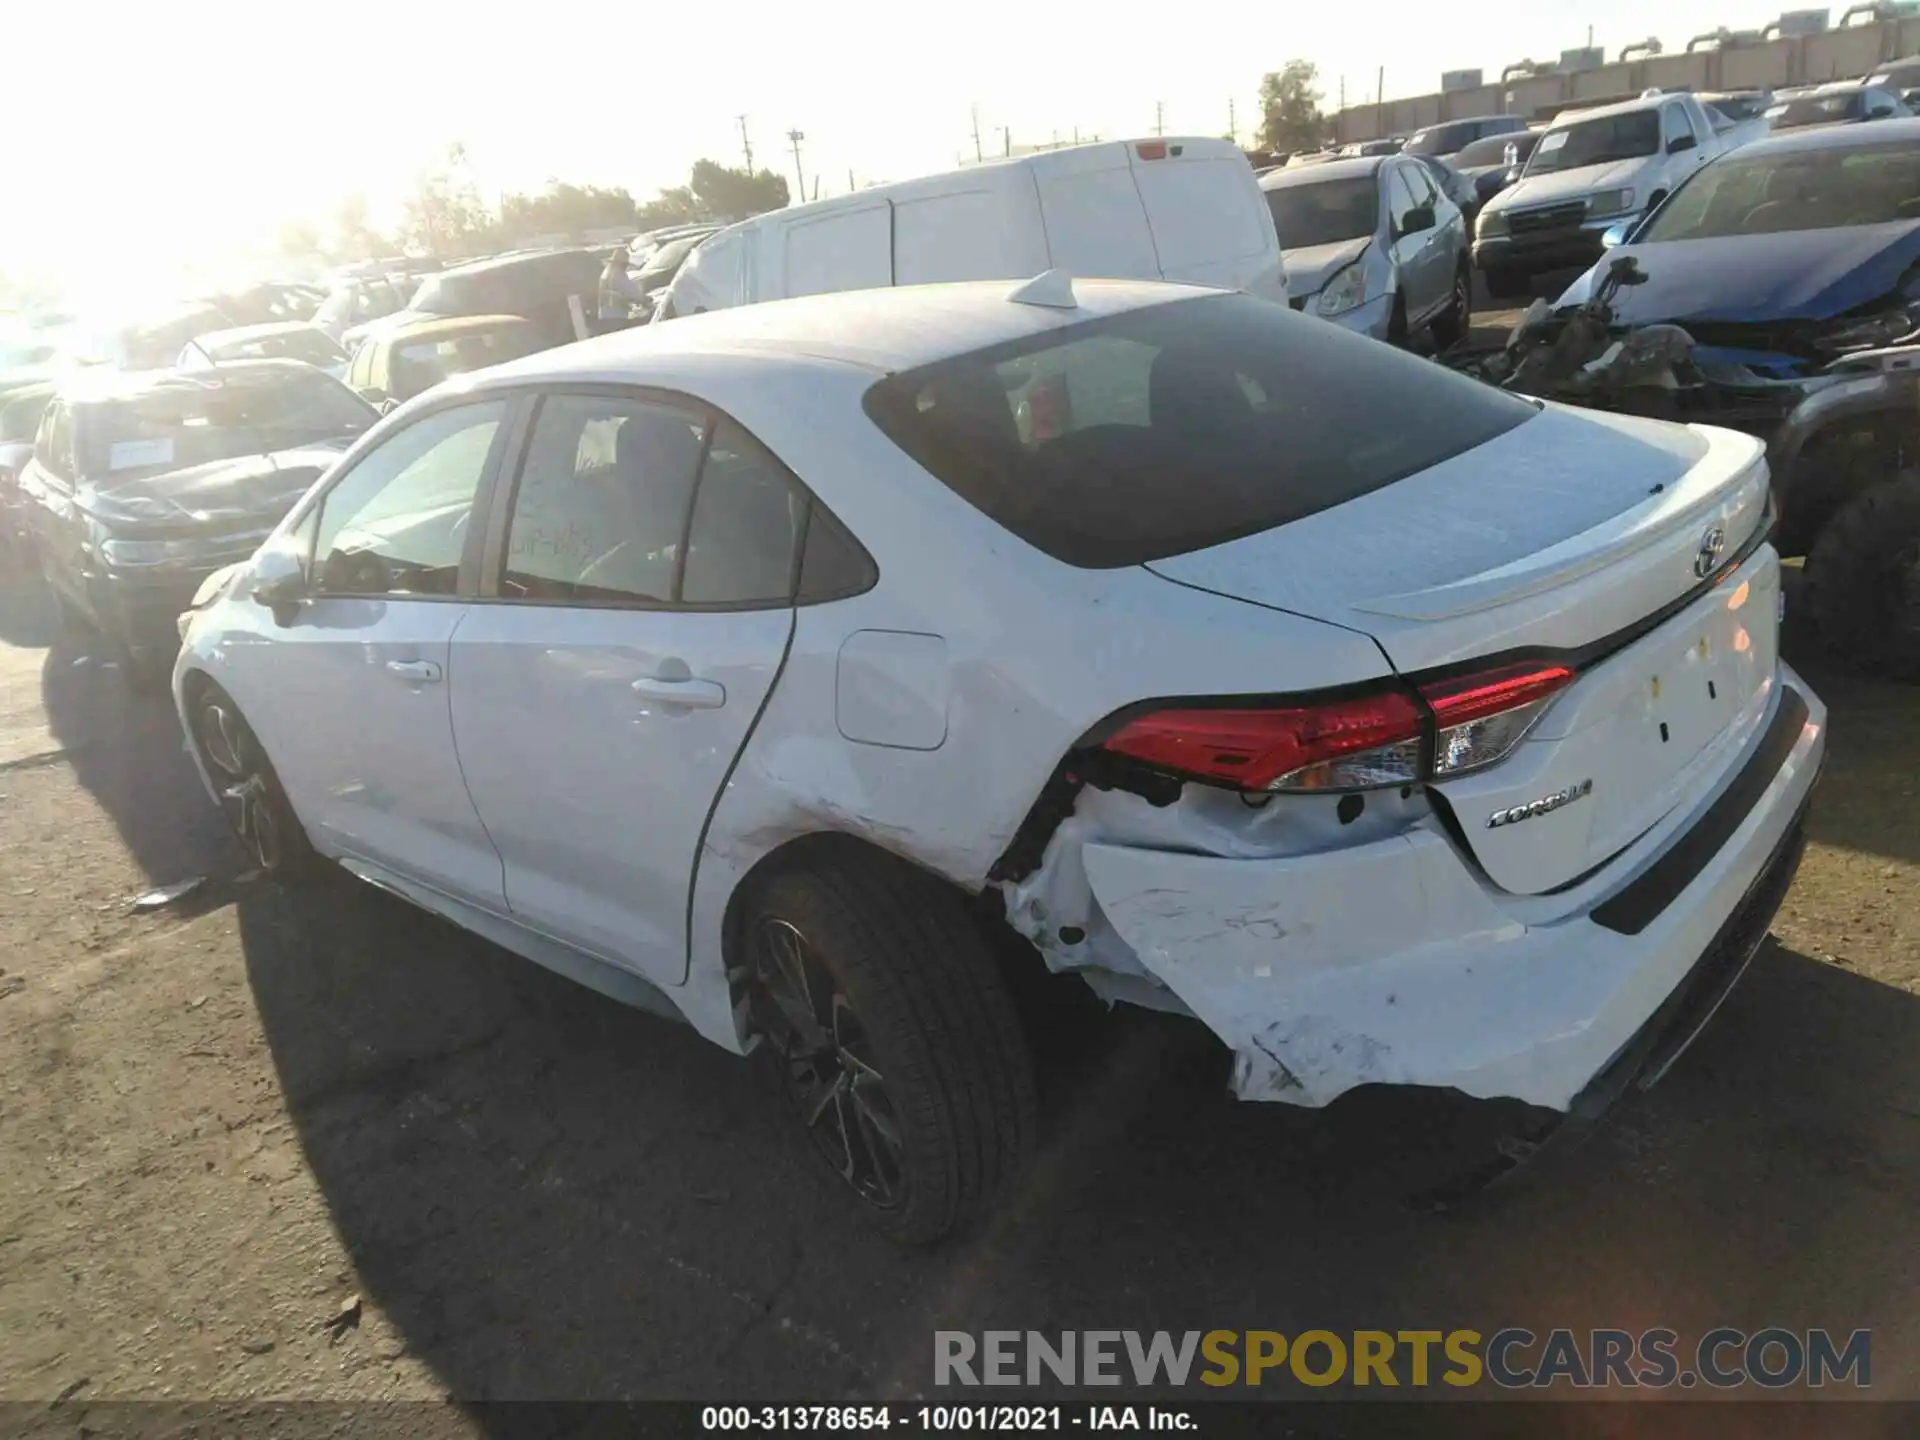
[1508,284]
[1862,581]
[1397,323]
[896,1040]
[251,796]
[1451,325]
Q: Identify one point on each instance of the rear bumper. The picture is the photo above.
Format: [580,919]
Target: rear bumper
[1393,963]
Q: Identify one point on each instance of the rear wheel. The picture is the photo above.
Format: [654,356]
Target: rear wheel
[1508,284]
[249,792]
[894,1038]
[1862,581]
[1451,326]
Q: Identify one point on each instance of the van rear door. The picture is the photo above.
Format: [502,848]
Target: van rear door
[1210,225]
[1096,221]
[841,249]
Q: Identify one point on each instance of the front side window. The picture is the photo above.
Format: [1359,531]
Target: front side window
[397,522]
[1401,199]
[1675,124]
[54,446]
[1179,426]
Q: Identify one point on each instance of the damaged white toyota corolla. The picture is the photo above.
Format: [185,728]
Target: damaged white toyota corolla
[776,662]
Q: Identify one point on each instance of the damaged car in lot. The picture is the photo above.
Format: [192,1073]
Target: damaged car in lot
[1793,268]
[141,484]
[778,667]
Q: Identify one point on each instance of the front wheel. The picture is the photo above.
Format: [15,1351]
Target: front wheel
[1862,580]
[894,1038]
[249,792]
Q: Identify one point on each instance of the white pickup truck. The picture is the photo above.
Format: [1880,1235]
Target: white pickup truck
[1590,170]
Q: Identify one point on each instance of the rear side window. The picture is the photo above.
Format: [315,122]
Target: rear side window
[1180,426]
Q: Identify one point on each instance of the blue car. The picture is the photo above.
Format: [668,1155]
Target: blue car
[1786,254]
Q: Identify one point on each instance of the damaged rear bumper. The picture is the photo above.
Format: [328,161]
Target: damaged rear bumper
[1393,962]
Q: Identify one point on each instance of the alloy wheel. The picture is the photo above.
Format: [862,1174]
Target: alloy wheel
[827,1066]
[246,790]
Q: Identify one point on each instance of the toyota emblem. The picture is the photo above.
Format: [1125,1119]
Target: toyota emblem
[1707,558]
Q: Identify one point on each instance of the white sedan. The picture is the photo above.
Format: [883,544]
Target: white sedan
[772,666]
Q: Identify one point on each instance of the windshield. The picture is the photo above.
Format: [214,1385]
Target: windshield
[1325,212]
[1596,142]
[425,363]
[1798,190]
[1440,140]
[309,345]
[175,426]
[1817,110]
[1489,150]
[1179,426]
[1738,107]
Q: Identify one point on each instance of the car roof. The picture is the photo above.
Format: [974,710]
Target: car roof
[1350,168]
[885,330]
[1623,107]
[242,333]
[439,326]
[1839,137]
[102,385]
[517,259]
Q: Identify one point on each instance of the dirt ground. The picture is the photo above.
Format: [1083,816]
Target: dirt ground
[268,1143]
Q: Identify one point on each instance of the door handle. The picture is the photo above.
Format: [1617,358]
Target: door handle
[688,692]
[423,672]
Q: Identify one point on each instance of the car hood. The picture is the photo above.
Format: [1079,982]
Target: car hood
[218,494]
[1794,275]
[1561,185]
[1311,266]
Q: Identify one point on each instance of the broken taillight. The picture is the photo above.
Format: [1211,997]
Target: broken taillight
[1349,742]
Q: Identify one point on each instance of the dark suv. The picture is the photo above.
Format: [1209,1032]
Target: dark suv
[143,484]
[536,286]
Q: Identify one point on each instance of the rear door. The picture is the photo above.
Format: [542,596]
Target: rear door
[1210,225]
[636,611]
[1096,221]
[846,249]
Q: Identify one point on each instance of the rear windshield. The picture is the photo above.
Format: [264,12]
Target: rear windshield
[1325,212]
[1441,140]
[453,294]
[1817,110]
[1596,142]
[422,364]
[1762,194]
[174,426]
[312,346]
[1180,426]
[1492,150]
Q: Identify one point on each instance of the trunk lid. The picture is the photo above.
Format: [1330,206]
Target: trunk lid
[1575,536]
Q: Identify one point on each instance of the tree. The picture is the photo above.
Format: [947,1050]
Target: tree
[445,215]
[354,238]
[725,193]
[1290,107]
[299,240]
[563,209]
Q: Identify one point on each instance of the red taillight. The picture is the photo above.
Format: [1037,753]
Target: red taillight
[1151,149]
[1341,744]
[1353,743]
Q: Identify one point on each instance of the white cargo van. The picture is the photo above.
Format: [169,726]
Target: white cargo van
[1161,209]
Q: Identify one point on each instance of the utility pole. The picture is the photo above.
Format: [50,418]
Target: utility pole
[1233,122]
[1380,100]
[1159,118]
[976,134]
[795,137]
[1006,141]
[746,142]
[851,187]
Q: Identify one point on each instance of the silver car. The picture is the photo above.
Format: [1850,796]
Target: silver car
[1374,246]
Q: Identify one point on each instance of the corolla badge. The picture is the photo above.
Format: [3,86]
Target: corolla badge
[1545,805]
[1707,558]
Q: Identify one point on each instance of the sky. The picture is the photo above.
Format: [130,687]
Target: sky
[147,137]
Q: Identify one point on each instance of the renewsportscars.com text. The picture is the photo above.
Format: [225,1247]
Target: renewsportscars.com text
[1513,1358]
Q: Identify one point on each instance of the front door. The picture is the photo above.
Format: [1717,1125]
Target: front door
[351,702]
[606,684]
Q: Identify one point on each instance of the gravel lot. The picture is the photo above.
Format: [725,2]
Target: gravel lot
[316,1144]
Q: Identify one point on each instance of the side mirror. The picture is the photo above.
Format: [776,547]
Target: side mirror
[386,405]
[1417,219]
[279,582]
[1615,234]
[1681,142]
